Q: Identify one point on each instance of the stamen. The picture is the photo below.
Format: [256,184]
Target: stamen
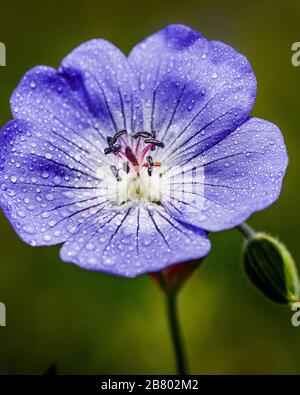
[142,134]
[154,136]
[155,164]
[154,143]
[137,146]
[119,134]
[121,155]
[145,150]
[115,173]
[112,149]
[126,167]
[149,138]
[149,165]
[111,141]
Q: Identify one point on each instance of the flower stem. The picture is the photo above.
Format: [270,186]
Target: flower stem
[247,232]
[171,301]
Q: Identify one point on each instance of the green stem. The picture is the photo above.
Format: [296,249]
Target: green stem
[171,299]
[247,232]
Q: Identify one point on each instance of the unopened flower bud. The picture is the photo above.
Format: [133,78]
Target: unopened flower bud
[271,268]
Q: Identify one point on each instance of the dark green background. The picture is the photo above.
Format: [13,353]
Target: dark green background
[94,323]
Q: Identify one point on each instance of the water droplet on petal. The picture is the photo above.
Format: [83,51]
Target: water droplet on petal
[45,174]
[57,180]
[191,105]
[47,238]
[50,196]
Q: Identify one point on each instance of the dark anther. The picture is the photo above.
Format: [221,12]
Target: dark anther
[150,138]
[149,165]
[115,172]
[119,134]
[155,143]
[111,141]
[142,134]
[154,137]
[126,167]
[112,149]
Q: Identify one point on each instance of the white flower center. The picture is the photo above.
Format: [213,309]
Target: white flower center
[138,185]
[135,175]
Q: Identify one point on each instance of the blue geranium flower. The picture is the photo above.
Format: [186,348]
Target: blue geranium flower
[129,162]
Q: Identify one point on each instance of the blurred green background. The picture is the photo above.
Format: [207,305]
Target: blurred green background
[93,323]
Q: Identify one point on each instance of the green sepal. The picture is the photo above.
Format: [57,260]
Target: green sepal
[271,268]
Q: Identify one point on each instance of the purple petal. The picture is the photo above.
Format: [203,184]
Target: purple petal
[191,88]
[243,173]
[48,186]
[102,73]
[134,241]
[91,96]
[44,97]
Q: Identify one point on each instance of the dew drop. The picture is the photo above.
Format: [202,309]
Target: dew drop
[92,261]
[191,105]
[49,196]
[47,238]
[45,174]
[108,261]
[72,229]
[90,246]
[45,214]
[203,91]
[28,229]
[57,180]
